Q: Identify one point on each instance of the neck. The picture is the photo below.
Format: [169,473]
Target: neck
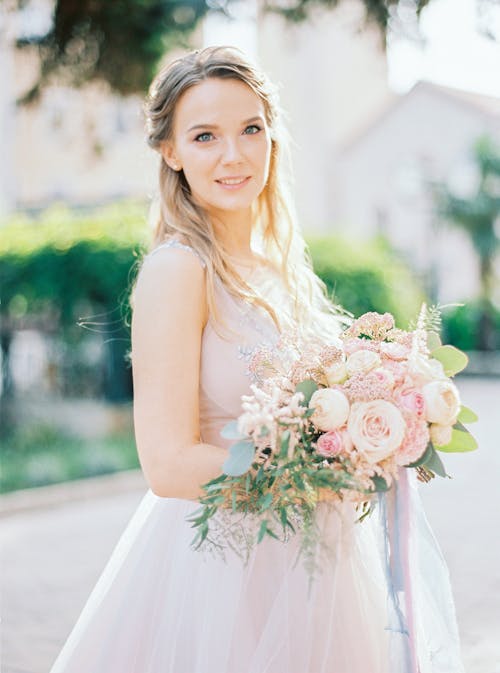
[234,230]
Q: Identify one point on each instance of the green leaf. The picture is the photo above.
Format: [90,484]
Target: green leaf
[423,458]
[285,441]
[435,463]
[283,516]
[380,483]
[230,431]
[308,387]
[262,530]
[433,340]
[460,442]
[240,458]
[298,481]
[466,415]
[265,501]
[233,500]
[452,359]
[272,534]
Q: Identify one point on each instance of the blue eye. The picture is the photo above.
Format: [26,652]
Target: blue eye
[206,133]
[254,126]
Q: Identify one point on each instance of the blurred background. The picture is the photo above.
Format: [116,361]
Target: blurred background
[393,107]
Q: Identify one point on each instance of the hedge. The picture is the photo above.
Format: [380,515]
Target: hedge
[73,272]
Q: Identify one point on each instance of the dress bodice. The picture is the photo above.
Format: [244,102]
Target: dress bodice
[224,370]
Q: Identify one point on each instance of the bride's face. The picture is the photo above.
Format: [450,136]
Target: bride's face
[220,133]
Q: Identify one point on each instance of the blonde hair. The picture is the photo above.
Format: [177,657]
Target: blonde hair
[280,239]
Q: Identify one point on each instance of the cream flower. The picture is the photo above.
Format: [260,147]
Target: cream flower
[362,361]
[377,428]
[440,434]
[426,369]
[331,409]
[442,402]
[336,373]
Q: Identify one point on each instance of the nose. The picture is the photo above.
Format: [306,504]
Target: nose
[231,152]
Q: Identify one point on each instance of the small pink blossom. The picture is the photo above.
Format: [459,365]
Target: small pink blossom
[353,345]
[410,399]
[415,441]
[333,443]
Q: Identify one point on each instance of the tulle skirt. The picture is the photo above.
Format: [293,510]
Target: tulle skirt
[162,607]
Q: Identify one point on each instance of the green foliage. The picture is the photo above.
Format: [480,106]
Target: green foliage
[92,40]
[65,260]
[366,276]
[452,359]
[477,216]
[71,273]
[41,454]
[462,325]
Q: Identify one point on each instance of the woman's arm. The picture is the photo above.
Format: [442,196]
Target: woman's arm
[169,313]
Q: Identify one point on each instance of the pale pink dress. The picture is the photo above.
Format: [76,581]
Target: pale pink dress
[162,607]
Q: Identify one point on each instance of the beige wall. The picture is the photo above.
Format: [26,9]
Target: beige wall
[427,134]
[332,81]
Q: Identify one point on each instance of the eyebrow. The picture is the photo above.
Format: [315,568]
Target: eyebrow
[214,126]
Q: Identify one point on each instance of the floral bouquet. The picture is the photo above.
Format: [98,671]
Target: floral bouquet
[334,422]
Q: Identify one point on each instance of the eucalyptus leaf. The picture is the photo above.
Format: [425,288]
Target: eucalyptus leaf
[285,442]
[240,458]
[380,483]
[435,463]
[466,415]
[230,431]
[308,387]
[265,501]
[452,359]
[262,530]
[460,442]
[433,340]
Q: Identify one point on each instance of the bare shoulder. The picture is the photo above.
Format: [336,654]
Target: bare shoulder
[171,276]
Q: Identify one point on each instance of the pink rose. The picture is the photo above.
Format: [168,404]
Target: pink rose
[377,428]
[410,399]
[354,345]
[333,443]
[384,376]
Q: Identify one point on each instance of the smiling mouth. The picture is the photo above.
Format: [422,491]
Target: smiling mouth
[237,181]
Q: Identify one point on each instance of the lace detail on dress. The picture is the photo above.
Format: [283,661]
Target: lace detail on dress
[177,244]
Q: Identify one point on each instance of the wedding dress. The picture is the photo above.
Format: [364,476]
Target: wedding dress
[160,606]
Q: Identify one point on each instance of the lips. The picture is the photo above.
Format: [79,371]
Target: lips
[234,182]
[233,179]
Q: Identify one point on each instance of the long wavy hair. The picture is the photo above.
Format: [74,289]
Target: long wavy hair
[275,230]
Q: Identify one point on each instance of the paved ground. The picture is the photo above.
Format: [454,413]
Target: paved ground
[52,557]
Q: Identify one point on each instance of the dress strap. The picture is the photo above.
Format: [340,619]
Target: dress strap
[173,243]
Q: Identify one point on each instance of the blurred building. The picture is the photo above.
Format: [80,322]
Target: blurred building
[380,180]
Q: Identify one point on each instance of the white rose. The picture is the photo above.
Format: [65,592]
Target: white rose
[377,428]
[426,369]
[442,402]
[336,373]
[440,434]
[362,361]
[331,409]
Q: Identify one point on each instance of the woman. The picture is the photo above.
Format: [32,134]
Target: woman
[229,270]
